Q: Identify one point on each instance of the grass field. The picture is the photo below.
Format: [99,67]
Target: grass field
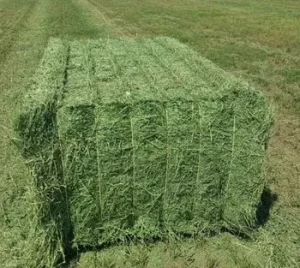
[256,40]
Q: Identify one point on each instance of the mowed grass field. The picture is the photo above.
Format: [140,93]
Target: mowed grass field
[256,40]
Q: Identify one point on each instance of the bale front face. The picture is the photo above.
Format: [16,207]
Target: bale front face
[136,168]
[154,139]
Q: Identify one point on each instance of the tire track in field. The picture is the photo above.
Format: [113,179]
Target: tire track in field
[12,23]
[98,10]
[95,8]
[11,33]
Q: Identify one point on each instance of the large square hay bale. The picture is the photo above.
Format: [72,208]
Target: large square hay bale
[142,138]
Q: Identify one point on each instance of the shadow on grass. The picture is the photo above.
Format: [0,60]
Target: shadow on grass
[266,203]
[73,256]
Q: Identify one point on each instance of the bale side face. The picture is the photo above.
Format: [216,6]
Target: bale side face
[39,144]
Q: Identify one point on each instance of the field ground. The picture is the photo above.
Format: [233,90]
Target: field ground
[256,40]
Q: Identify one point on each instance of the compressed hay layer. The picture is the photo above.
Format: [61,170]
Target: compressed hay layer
[152,139]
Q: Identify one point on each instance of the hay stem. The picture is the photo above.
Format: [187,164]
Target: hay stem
[199,158]
[133,177]
[167,161]
[231,162]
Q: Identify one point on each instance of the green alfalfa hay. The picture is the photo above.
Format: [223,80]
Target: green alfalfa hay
[113,121]
[134,113]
